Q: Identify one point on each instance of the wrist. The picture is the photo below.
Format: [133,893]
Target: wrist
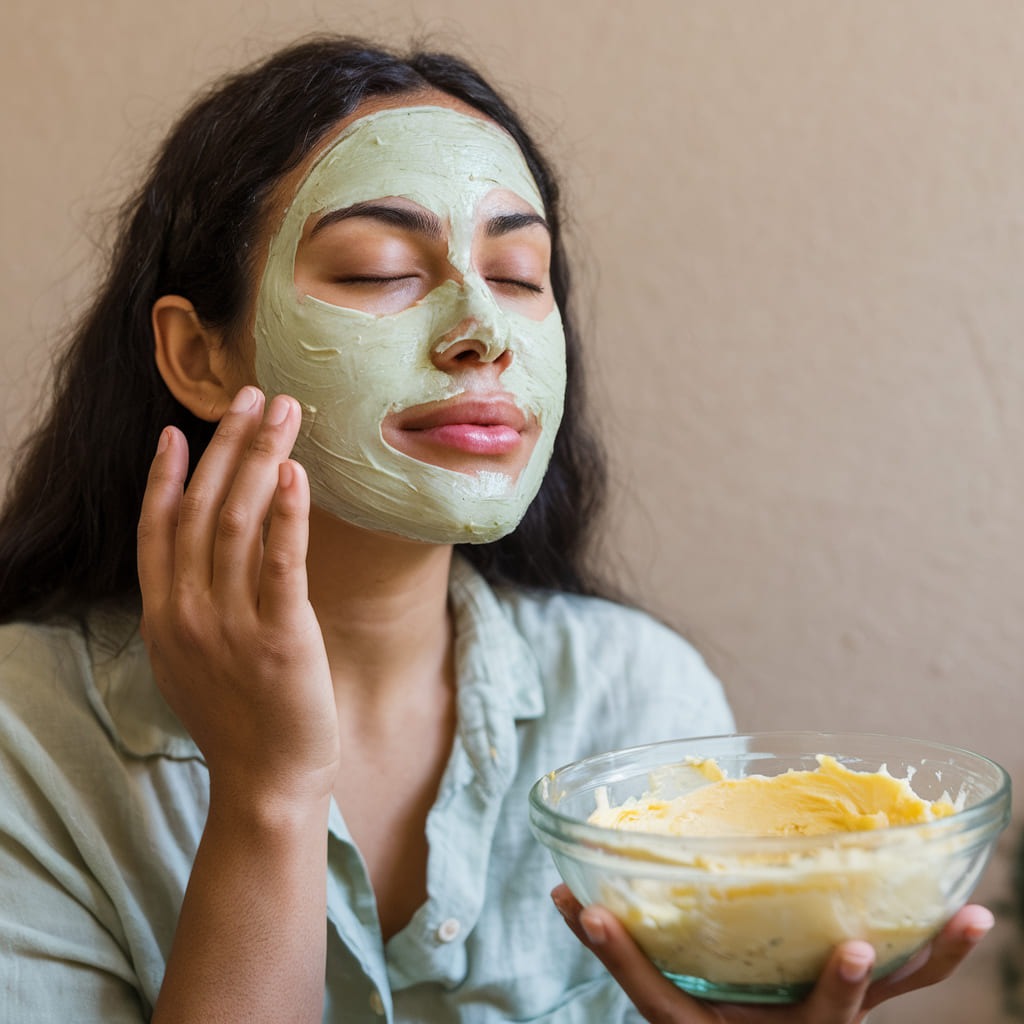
[278,807]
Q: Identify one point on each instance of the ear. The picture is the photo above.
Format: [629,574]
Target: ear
[196,365]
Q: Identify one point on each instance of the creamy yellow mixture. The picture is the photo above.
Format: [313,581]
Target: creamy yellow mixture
[832,798]
[770,917]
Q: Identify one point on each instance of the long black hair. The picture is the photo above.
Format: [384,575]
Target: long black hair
[68,528]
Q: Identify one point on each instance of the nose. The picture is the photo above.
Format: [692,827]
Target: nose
[470,342]
[483,335]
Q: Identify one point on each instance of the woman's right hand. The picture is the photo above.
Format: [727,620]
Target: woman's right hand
[235,645]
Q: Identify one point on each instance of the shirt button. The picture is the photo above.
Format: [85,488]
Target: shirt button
[449,930]
[376,1003]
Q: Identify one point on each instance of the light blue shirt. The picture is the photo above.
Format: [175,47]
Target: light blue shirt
[104,797]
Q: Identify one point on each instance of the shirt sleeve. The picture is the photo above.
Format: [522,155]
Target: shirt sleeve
[60,954]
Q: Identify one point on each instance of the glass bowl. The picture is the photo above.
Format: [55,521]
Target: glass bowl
[753,919]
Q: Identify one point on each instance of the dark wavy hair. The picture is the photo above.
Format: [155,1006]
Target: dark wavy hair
[68,528]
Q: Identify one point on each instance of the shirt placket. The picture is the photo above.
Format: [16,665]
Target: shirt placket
[356,986]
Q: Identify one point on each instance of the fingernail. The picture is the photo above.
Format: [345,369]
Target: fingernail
[278,411]
[854,968]
[285,474]
[594,930]
[165,440]
[976,932]
[244,400]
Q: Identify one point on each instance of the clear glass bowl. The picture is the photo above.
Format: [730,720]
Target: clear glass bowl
[751,919]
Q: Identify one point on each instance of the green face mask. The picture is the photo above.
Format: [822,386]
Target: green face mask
[349,369]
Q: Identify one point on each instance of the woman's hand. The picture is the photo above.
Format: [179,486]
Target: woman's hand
[843,994]
[235,645]
[239,656]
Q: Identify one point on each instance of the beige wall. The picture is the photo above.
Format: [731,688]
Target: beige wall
[802,226]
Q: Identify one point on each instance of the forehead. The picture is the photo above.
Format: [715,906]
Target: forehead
[441,158]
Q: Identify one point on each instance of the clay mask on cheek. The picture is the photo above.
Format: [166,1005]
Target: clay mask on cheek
[350,369]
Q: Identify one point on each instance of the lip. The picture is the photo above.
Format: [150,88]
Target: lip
[496,411]
[488,425]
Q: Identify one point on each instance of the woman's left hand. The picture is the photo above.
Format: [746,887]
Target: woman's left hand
[843,994]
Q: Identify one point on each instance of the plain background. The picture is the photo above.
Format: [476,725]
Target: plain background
[801,234]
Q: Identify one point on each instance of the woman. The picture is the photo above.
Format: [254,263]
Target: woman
[308,757]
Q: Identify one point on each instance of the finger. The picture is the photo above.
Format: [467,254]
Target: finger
[838,996]
[158,519]
[283,585]
[657,999]
[569,907]
[238,549]
[204,497]
[952,945]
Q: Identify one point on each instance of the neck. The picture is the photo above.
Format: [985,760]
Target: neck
[382,603]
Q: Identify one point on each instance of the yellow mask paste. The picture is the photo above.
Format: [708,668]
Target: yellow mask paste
[831,798]
[769,915]
[349,369]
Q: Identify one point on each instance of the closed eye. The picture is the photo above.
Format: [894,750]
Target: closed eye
[512,282]
[375,279]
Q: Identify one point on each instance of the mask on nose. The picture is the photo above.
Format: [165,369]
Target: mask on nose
[350,369]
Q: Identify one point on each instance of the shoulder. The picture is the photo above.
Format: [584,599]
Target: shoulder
[17,638]
[52,664]
[49,738]
[92,681]
[40,665]
[604,660]
[49,729]
[594,628]
[56,699]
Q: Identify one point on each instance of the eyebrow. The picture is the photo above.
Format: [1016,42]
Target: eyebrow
[421,221]
[509,222]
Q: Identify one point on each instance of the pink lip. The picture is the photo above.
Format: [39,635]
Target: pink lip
[496,411]
[478,426]
[475,438]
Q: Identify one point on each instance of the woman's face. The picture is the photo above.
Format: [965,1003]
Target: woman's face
[406,303]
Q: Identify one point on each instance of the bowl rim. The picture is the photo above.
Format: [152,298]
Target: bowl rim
[989,816]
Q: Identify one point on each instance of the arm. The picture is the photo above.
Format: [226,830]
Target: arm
[843,994]
[238,654]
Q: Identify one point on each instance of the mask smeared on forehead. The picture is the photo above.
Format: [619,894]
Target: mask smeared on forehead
[350,369]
